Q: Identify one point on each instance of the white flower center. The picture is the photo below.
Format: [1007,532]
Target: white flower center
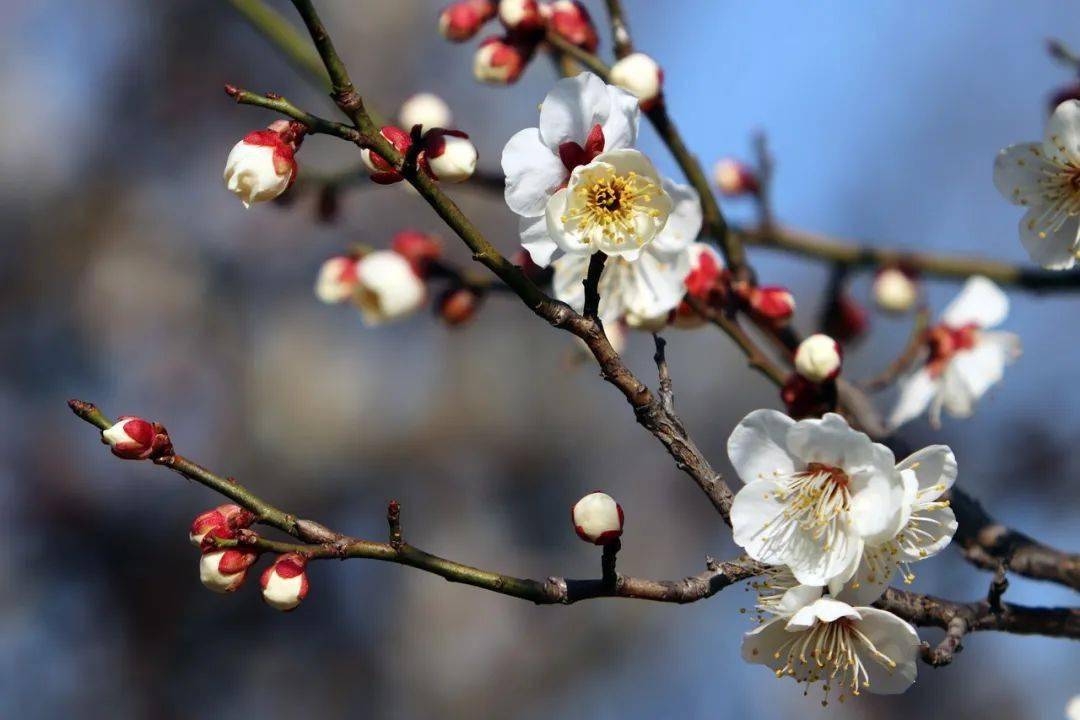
[834,653]
[815,501]
[609,204]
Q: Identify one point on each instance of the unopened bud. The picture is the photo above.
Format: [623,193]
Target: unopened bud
[639,74]
[131,438]
[598,518]
[570,20]
[223,571]
[387,288]
[818,358]
[735,178]
[427,110]
[806,399]
[449,156]
[337,280]
[382,171]
[458,305]
[522,16]
[460,21]
[262,166]
[420,249]
[221,522]
[772,303]
[500,60]
[285,583]
[895,291]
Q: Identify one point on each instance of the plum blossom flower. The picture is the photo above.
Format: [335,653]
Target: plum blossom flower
[1044,177]
[816,494]
[962,358]
[574,180]
[649,287]
[829,641]
[387,288]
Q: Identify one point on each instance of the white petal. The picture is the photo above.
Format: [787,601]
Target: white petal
[1062,137]
[754,508]
[928,532]
[657,284]
[572,108]
[980,302]
[797,598]
[568,280]
[895,639]
[916,392]
[811,564]
[1052,248]
[621,127]
[556,229]
[761,644]
[955,396]
[824,610]
[831,441]
[877,504]
[1018,169]
[758,446]
[982,366]
[536,241]
[684,222]
[932,466]
[533,173]
[875,572]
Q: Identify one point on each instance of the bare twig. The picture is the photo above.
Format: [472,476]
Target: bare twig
[592,284]
[620,31]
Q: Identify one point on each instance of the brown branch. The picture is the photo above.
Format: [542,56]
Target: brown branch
[988,544]
[620,31]
[592,285]
[915,345]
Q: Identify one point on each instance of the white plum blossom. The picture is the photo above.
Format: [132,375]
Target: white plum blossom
[336,281]
[816,494]
[646,289]
[387,288]
[828,641]
[962,358]
[1044,177]
[574,180]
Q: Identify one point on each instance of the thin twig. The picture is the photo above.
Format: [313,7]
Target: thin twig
[620,31]
[592,284]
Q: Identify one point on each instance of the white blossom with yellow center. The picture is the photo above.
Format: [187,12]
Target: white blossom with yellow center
[1045,178]
[616,204]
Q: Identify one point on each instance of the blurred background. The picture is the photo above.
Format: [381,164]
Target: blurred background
[129,277]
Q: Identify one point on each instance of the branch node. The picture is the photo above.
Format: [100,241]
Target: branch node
[393,520]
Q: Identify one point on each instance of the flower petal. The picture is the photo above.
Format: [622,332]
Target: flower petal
[684,222]
[983,366]
[875,572]
[567,283]
[877,504]
[533,173]
[572,108]
[893,638]
[812,564]
[797,598]
[760,645]
[929,531]
[824,610]
[655,283]
[1062,138]
[1018,170]
[536,241]
[1054,248]
[916,392]
[830,441]
[754,508]
[932,466]
[758,446]
[621,127]
[980,303]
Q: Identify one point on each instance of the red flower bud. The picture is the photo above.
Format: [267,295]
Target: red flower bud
[458,305]
[420,249]
[223,571]
[285,583]
[804,398]
[571,20]
[381,170]
[735,178]
[133,438]
[598,519]
[460,21]
[501,60]
[222,522]
[773,304]
[523,16]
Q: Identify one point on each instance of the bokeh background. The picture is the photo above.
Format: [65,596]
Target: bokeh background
[131,278]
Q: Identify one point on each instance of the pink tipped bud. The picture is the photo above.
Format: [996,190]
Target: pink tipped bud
[895,290]
[132,438]
[420,249]
[221,522]
[598,518]
[262,166]
[427,110]
[457,306]
[818,358]
[223,571]
[571,21]
[382,171]
[337,280]
[734,178]
[460,21]
[500,60]
[773,304]
[449,156]
[285,583]
[639,74]
[388,288]
[522,16]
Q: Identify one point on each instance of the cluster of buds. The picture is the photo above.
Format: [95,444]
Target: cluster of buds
[735,178]
[133,438]
[811,390]
[501,59]
[640,75]
[598,519]
[445,155]
[263,165]
[895,289]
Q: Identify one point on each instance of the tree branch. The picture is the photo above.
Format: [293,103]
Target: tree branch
[592,284]
[620,31]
